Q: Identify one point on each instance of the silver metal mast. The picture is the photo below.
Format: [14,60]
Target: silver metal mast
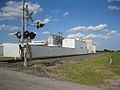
[23,21]
[23,29]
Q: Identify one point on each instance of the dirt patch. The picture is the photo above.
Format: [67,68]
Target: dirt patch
[114,85]
[42,67]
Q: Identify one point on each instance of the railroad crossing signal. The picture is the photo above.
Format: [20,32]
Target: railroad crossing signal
[27,34]
[18,34]
[28,15]
[39,24]
[32,35]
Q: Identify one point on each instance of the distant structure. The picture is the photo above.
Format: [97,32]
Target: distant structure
[90,45]
[40,43]
[73,43]
[56,45]
[55,40]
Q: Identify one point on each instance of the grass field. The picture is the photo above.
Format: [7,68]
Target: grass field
[5,58]
[96,72]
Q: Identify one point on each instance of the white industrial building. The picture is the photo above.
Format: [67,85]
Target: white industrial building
[10,50]
[67,46]
[90,45]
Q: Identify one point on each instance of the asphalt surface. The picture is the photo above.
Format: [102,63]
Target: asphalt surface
[12,80]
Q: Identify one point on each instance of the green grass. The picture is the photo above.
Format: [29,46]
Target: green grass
[5,58]
[97,71]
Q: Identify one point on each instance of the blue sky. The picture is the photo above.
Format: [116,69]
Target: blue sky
[99,19]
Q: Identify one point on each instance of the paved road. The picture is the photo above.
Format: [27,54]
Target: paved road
[12,80]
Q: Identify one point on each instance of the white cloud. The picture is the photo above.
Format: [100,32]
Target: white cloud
[78,35]
[114,8]
[111,34]
[11,34]
[45,21]
[78,29]
[100,27]
[108,35]
[13,10]
[7,27]
[104,37]
[113,0]
[45,33]
[66,14]
[93,36]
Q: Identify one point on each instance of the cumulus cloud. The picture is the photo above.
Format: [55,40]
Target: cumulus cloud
[45,33]
[111,34]
[13,10]
[77,35]
[113,0]
[108,35]
[100,27]
[92,36]
[114,8]
[83,36]
[11,34]
[45,21]
[7,27]
[66,13]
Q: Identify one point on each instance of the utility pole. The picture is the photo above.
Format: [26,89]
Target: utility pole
[23,21]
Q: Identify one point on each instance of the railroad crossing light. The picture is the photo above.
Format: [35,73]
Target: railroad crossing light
[18,34]
[32,35]
[38,24]
[26,34]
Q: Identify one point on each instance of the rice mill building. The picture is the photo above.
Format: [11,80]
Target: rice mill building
[51,47]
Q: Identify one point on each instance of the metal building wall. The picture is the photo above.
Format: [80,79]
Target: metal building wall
[1,50]
[11,50]
[68,43]
[38,51]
